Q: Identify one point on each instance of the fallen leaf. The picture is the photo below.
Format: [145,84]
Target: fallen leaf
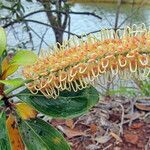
[141,145]
[57,122]
[132,116]
[137,125]
[103,139]
[69,123]
[93,128]
[116,136]
[70,133]
[117,148]
[131,138]
[92,147]
[147,119]
[142,106]
[13,133]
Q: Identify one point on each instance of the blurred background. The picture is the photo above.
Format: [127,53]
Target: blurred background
[36,24]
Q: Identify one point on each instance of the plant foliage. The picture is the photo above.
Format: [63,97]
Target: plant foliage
[60,85]
[20,128]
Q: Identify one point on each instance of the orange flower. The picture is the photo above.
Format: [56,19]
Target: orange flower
[81,62]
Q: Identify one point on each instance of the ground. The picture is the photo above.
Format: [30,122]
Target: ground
[116,123]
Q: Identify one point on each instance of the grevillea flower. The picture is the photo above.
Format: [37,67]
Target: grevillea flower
[75,64]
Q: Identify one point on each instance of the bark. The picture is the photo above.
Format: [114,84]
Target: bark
[59,26]
[58,36]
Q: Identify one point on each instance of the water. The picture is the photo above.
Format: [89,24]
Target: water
[108,14]
[79,23]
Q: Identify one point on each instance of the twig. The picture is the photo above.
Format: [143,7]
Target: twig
[69,26]
[146,115]
[147,146]
[132,9]
[86,13]
[42,39]
[30,35]
[38,36]
[134,12]
[107,147]
[28,30]
[143,98]
[107,19]
[122,119]
[117,13]
[132,101]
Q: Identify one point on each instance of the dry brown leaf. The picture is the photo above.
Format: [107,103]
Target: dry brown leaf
[142,106]
[137,125]
[93,128]
[131,138]
[133,115]
[92,147]
[69,123]
[116,136]
[70,133]
[103,139]
[13,133]
[57,122]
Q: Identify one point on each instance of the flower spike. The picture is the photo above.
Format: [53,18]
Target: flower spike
[78,62]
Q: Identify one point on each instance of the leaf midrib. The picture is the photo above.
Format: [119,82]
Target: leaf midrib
[37,95]
[36,134]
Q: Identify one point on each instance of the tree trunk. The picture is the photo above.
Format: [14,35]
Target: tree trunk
[58,25]
[58,36]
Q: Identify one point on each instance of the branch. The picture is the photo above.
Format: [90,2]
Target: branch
[86,13]
[38,36]
[35,21]
[65,20]
[70,12]
[65,13]
[69,26]
[46,24]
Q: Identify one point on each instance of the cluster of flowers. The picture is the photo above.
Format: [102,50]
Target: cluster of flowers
[74,65]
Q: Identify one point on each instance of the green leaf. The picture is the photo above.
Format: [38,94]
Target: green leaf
[1,103]
[3,40]
[39,135]
[123,91]
[4,140]
[145,88]
[13,82]
[24,57]
[67,105]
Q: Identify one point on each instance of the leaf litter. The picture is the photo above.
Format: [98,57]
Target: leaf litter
[115,123]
